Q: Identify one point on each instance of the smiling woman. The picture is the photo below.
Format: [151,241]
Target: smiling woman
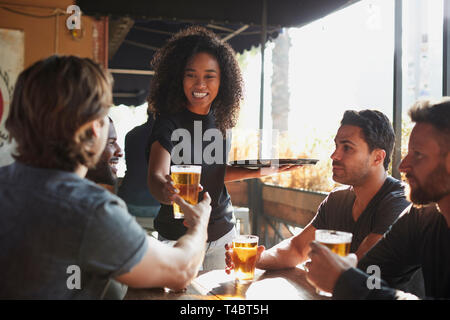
[201,82]
[187,49]
[196,90]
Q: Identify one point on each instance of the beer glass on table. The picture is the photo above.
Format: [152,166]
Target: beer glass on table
[338,242]
[186,179]
[244,257]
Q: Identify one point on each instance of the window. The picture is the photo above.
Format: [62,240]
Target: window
[126,118]
[343,61]
[422,56]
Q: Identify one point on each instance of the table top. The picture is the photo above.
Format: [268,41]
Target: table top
[286,284]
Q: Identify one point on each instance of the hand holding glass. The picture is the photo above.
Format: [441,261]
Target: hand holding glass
[245,248]
[186,179]
[338,242]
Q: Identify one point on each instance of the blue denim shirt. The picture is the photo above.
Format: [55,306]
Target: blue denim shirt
[62,237]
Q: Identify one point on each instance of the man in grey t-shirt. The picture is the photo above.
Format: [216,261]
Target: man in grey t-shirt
[366,207]
[62,236]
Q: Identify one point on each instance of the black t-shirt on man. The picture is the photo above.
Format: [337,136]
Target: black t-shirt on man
[335,212]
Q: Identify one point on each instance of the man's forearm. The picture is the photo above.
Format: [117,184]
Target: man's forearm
[193,245]
[284,255]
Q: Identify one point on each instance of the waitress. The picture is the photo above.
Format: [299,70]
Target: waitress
[197,88]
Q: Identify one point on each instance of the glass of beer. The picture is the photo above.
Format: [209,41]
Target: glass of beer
[338,242]
[186,179]
[244,257]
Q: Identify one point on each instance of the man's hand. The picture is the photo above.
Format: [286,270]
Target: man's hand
[326,267]
[229,260]
[194,215]
[170,191]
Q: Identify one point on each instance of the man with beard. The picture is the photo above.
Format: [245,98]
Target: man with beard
[366,207]
[105,174]
[420,238]
[105,171]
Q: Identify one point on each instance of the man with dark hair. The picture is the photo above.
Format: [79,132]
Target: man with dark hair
[64,237]
[366,207]
[375,129]
[419,239]
[105,171]
[105,174]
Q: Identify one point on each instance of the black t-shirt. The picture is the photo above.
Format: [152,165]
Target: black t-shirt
[206,147]
[134,189]
[335,212]
[420,238]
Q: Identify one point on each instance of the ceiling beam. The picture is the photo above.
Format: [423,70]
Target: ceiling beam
[235,33]
[141,45]
[133,71]
[118,30]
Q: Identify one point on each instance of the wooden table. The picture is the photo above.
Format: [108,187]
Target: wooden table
[287,284]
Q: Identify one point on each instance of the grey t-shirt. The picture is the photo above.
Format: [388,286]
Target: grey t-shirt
[335,212]
[56,229]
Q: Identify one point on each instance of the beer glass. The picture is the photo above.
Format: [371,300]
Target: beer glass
[244,252]
[186,179]
[338,242]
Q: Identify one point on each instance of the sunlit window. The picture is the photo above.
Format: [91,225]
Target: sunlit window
[343,61]
[422,56]
[126,118]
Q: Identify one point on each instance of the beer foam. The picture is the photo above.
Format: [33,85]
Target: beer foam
[186,169]
[246,239]
[333,237]
[333,240]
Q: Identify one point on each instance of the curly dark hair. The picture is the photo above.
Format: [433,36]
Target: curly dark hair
[167,96]
[376,128]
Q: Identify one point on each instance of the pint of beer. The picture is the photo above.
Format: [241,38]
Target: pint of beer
[244,257]
[337,241]
[187,180]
